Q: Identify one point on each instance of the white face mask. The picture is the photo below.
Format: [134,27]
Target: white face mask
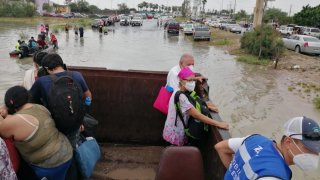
[191,67]
[305,161]
[190,85]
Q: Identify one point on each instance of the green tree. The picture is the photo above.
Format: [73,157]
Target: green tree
[47,7]
[94,9]
[275,15]
[83,6]
[123,8]
[242,14]
[140,6]
[74,7]
[204,2]
[308,16]
[264,42]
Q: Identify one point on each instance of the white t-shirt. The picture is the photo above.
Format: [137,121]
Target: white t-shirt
[172,78]
[235,143]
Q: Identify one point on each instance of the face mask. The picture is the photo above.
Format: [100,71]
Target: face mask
[191,67]
[190,85]
[305,161]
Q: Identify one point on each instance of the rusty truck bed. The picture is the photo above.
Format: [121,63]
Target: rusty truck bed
[130,129]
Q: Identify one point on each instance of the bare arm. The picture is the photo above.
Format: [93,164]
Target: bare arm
[197,115]
[225,152]
[5,128]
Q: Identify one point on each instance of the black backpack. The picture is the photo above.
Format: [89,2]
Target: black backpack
[66,103]
[195,129]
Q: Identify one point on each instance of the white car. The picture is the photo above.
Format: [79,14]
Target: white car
[188,29]
[136,21]
[236,28]
[286,30]
[315,32]
[302,43]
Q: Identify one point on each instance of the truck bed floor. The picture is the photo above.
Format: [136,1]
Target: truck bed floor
[120,161]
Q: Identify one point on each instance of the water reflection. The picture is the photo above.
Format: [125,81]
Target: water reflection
[82,42]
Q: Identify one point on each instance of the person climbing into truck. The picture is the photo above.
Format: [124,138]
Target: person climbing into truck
[183,109]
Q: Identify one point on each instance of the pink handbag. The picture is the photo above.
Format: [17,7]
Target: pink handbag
[162,101]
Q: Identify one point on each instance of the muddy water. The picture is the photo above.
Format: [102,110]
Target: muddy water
[251,99]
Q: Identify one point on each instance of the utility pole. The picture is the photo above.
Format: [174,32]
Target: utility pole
[258,13]
[290,10]
[234,8]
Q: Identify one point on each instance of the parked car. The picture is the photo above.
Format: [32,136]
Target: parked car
[136,21]
[223,24]
[303,43]
[188,29]
[201,32]
[95,23]
[68,15]
[125,21]
[286,30]
[315,32]
[173,28]
[235,28]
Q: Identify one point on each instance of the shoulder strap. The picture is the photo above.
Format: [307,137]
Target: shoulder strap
[178,110]
[54,77]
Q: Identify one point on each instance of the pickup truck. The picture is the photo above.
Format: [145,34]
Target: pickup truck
[130,129]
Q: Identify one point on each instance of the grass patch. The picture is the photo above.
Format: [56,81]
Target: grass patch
[290,88]
[221,42]
[52,21]
[316,102]
[250,59]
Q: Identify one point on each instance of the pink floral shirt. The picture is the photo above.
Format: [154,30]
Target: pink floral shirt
[174,133]
[6,169]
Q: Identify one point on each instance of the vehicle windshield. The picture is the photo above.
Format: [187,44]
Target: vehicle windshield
[188,26]
[315,30]
[311,39]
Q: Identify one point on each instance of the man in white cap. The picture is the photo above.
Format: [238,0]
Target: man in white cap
[258,157]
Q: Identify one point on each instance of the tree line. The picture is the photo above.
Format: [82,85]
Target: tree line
[145,6]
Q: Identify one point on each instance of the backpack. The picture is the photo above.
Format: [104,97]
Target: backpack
[194,129]
[66,103]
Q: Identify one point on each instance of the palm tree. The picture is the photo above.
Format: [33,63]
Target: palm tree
[203,5]
[140,6]
[162,7]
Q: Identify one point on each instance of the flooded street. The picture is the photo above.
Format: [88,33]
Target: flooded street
[251,98]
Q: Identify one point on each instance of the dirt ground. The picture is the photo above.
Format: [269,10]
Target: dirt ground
[306,66]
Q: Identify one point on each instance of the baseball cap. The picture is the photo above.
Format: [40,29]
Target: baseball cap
[306,130]
[185,72]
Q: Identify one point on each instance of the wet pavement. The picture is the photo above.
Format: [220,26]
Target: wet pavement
[251,98]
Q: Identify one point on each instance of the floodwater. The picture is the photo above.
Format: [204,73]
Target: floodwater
[251,98]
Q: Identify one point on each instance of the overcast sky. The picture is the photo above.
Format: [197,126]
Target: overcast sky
[248,5]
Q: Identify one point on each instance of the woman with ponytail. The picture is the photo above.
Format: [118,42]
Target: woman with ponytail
[46,150]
